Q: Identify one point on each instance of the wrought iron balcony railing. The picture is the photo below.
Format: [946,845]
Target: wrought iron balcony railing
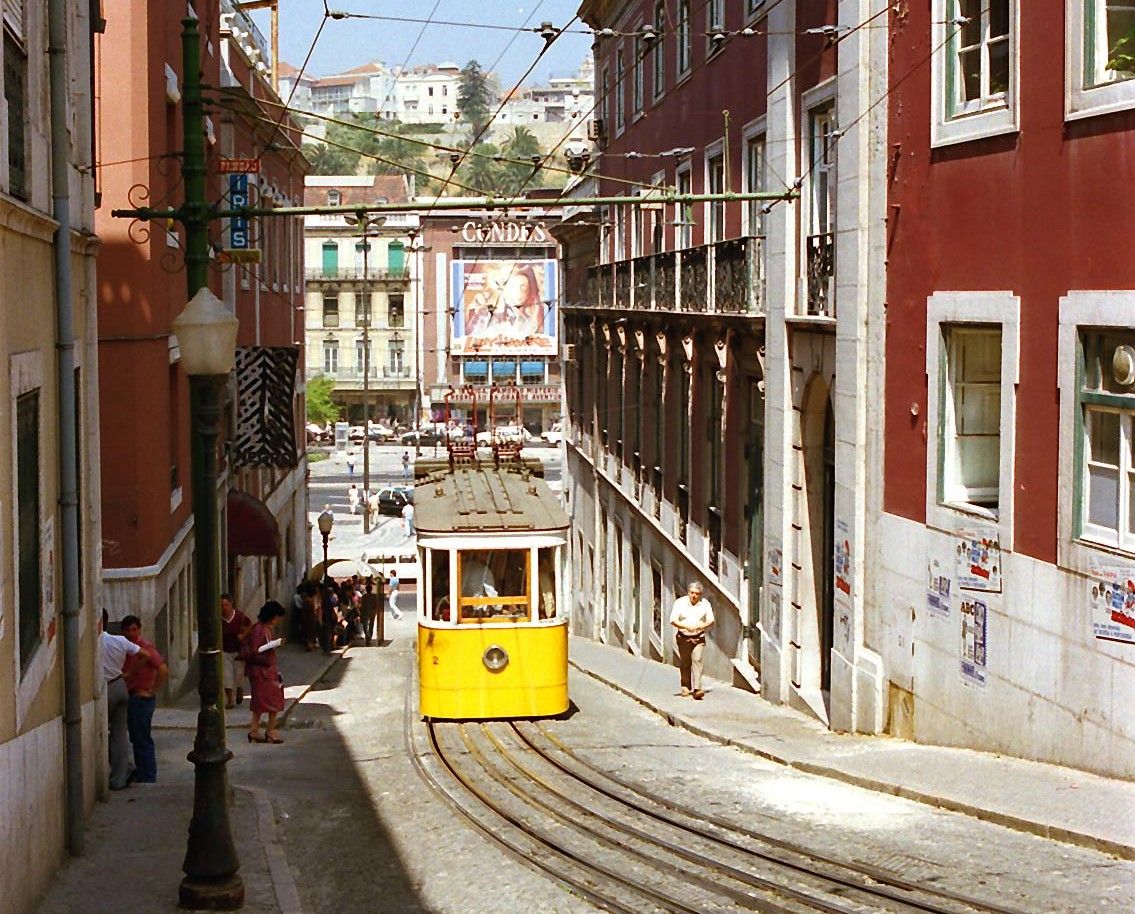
[722,278]
[820,277]
[356,274]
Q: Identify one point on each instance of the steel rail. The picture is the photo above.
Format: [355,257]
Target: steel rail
[598,897]
[746,878]
[885,879]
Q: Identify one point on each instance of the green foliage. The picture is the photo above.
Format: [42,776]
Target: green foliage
[1122,56]
[329,160]
[475,97]
[321,409]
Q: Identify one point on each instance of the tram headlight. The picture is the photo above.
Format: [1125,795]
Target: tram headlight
[495,658]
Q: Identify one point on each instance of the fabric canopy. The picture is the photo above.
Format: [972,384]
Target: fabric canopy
[504,369]
[252,530]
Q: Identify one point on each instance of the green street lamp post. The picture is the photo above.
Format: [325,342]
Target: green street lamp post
[206,333]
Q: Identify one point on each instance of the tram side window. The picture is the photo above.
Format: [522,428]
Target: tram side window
[546,581]
[494,584]
[439,583]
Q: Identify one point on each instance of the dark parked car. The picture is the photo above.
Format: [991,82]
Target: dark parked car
[393,499]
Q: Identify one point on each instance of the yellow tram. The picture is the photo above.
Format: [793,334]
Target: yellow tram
[492,636]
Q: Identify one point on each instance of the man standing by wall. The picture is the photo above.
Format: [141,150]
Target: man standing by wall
[113,651]
[145,674]
[691,618]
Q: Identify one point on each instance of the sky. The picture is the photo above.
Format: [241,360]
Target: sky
[348,43]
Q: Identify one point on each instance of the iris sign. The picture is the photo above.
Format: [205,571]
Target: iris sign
[239,249]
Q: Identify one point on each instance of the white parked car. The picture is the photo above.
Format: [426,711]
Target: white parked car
[555,434]
[509,433]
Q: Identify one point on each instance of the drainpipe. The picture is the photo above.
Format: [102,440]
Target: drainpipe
[67,417]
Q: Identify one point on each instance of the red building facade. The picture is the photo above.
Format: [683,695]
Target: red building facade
[148,542]
[1005,545]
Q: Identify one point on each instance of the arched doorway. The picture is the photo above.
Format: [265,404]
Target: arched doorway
[817,618]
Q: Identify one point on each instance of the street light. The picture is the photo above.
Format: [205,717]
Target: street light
[365,223]
[326,521]
[206,334]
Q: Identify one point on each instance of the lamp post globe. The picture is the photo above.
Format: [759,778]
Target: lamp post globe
[207,333]
[325,521]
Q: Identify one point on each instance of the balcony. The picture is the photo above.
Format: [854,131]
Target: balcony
[820,277]
[722,278]
[356,274]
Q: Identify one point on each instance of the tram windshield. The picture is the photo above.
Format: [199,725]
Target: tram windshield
[546,594]
[493,585]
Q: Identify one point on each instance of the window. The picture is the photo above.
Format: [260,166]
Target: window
[174,406]
[820,242]
[363,354]
[619,237]
[493,585]
[715,24]
[532,372]
[639,73]
[620,88]
[970,420]
[973,75]
[28,581]
[604,97]
[1106,422]
[15,97]
[334,198]
[396,311]
[756,181]
[397,357]
[331,309]
[475,372]
[330,357]
[1100,56]
[972,365]
[658,56]
[715,210]
[684,212]
[656,600]
[683,37]
[330,258]
[363,308]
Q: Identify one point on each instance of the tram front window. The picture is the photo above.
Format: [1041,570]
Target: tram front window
[494,585]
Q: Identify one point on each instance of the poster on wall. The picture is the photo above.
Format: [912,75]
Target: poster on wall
[938,586]
[47,545]
[841,568]
[979,561]
[975,629]
[1111,602]
[504,307]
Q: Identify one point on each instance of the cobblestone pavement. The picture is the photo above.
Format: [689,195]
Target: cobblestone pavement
[944,849]
[360,829]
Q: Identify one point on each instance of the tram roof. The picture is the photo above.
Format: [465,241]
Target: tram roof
[476,499]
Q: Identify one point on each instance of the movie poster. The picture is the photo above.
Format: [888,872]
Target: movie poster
[504,307]
[975,634]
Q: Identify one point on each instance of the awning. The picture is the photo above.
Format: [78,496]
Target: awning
[252,528]
[532,368]
[504,369]
[478,368]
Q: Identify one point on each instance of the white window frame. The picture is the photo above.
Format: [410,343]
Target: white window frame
[620,90]
[658,52]
[683,234]
[328,349]
[1081,310]
[684,41]
[638,78]
[1082,98]
[992,308]
[997,118]
[754,130]
[713,152]
[714,22]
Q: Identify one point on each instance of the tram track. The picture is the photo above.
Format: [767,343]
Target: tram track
[625,850]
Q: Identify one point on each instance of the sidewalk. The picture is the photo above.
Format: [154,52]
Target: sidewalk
[1063,804]
[135,841]
[299,668]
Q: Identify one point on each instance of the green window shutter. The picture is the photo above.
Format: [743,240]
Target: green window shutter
[330,258]
[396,257]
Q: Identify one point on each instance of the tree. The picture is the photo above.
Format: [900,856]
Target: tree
[321,409]
[475,97]
[523,150]
[394,154]
[330,160]
[480,172]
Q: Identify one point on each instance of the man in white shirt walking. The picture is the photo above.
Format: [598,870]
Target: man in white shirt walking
[691,618]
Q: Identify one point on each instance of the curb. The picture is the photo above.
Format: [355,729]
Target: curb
[284,886]
[335,658]
[1016,823]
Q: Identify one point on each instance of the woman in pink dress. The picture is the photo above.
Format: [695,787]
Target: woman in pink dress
[263,673]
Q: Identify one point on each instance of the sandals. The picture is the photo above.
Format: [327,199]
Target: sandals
[257,738]
[271,737]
